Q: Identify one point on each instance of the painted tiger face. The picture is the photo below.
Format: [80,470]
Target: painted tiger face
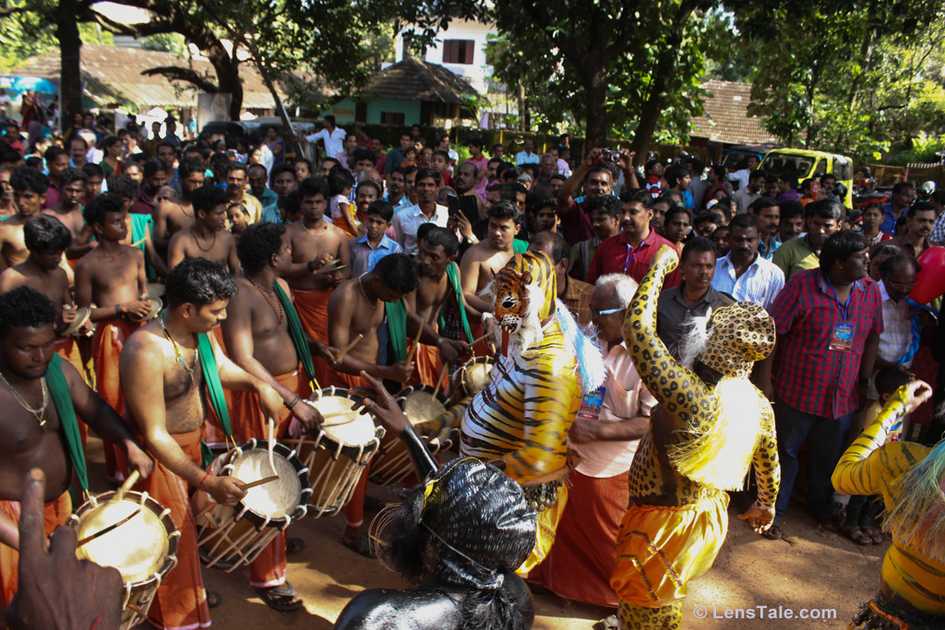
[522,305]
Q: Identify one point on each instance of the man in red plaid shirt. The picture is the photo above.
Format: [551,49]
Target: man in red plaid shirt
[828,322]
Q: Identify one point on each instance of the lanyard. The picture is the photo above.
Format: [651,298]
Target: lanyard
[844,306]
[631,256]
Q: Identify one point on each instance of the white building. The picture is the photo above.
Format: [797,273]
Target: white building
[461,48]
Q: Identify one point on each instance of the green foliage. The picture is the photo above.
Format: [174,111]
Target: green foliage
[859,78]
[30,33]
[166,42]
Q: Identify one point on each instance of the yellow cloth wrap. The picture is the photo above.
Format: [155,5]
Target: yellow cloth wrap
[661,548]
[545,532]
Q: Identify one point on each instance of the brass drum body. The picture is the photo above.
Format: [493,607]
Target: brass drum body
[338,452]
[231,537]
[143,549]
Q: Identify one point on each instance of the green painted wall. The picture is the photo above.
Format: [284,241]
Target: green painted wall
[344,110]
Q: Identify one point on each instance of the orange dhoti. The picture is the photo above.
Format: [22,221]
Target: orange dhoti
[312,307]
[584,553]
[249,421]
[429,365]
[55,513]
[110,337]
[181,601]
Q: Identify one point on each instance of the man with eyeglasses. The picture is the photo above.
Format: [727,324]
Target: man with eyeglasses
[604,436]
[632,250]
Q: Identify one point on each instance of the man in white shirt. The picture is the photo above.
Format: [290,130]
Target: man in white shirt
[744,274]
[527,155]
[408,220]
[603,439]
[895,342]
[332,136]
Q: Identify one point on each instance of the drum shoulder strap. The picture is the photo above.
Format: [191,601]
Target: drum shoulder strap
[62,399]
[211,378]
[397,325]
[296,331]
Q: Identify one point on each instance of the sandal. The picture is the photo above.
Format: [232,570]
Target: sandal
[281,598]
[294,545]
[774,533]
[875,535]
[360,545]
[857,535]
[213,599]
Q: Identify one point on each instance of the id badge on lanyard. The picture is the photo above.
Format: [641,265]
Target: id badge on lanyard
[841,337]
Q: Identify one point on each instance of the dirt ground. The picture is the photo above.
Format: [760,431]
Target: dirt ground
[818,574]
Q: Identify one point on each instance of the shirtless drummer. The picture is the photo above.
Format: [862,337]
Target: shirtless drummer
[41,395]
[162,378]
[260,339]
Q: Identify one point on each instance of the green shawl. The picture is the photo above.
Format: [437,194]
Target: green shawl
[299,338]
[62,399]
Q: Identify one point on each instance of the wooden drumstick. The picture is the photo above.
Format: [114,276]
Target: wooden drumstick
[260,482]
[105,530]
[483,338]
[125,487]
[439,379]
[348,348]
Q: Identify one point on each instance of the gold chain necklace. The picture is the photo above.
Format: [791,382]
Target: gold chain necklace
[213,241]
[39,414]
[177,352]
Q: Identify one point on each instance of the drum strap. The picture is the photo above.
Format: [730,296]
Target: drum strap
[211,377]
[452,276]
[296,332]
[397,326]
[62,398]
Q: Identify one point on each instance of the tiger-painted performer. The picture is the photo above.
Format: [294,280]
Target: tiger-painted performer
[520,421]
[911,478]
[710,425]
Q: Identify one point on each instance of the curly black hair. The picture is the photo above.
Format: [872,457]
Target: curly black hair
[198,281]
[25,308]
[258,244]
[45,233]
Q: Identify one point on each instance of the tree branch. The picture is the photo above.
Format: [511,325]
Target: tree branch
[177,73]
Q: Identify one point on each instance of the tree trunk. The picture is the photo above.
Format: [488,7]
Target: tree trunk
[228,76]
[662,74]
[597,123]
[70,74]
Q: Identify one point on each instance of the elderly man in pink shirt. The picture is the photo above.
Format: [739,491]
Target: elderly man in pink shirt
[603,441]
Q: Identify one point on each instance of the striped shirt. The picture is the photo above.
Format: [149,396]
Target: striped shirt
[809,376]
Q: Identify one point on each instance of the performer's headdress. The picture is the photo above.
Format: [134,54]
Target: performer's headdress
[467,527]
[527,304]
[918,519]
[739,335]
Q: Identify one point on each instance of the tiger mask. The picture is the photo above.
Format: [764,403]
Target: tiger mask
[525,293]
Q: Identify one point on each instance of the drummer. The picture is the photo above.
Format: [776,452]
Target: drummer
[41,395]
[207,237]
[162,377]
[46,241]
[436,255]
[111,277]
[356,309]
[259,338]
[317,246]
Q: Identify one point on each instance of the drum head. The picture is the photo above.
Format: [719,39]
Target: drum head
[343,424]
[136,548]
[476,374]
[275,499]
[421,406]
